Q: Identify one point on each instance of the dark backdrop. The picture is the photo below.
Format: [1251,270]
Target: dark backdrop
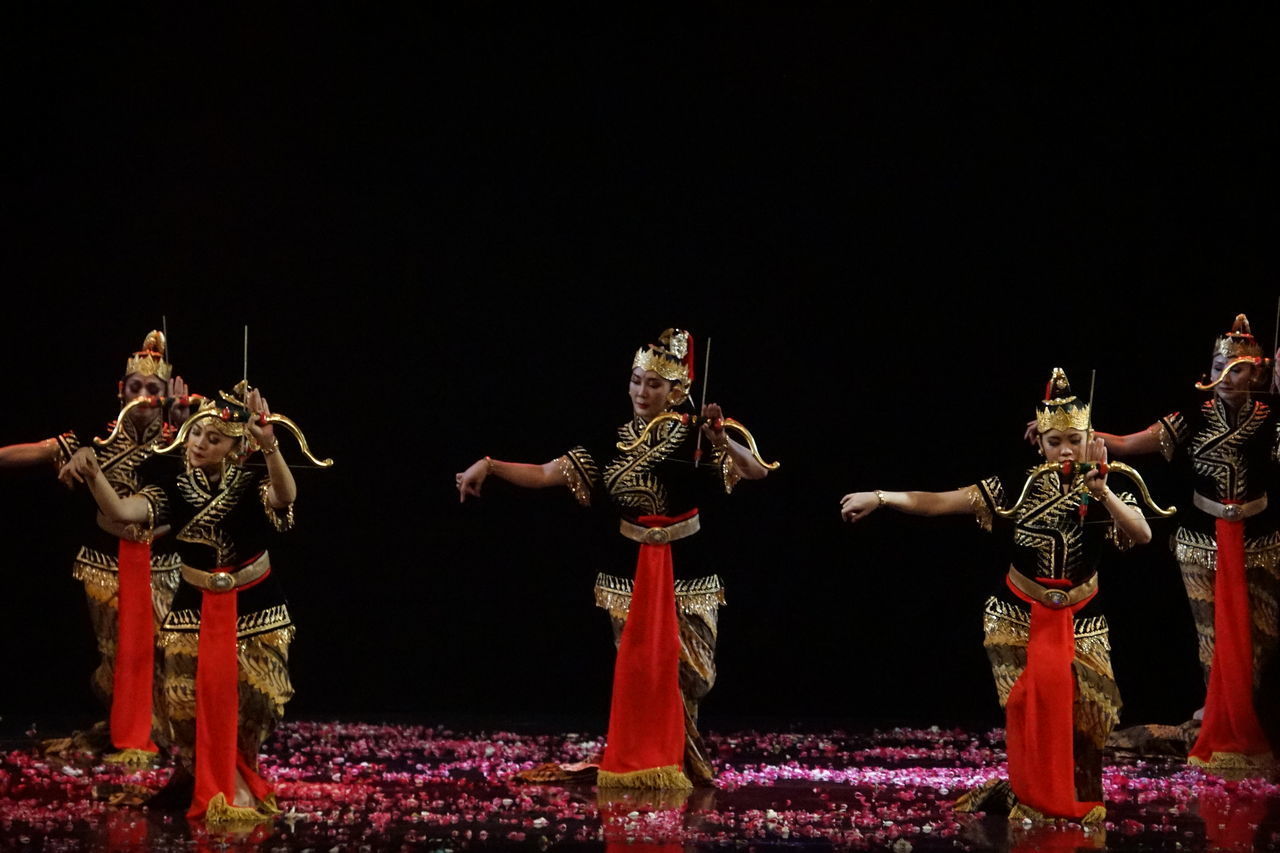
[448,231]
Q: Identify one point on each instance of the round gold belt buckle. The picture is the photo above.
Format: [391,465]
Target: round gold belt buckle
[1056,598]
[657,536]
[221,581]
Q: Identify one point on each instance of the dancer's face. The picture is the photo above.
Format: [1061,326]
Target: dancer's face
[1236,383]
[649,393]
[1059,445]
[206,447]
[136,385]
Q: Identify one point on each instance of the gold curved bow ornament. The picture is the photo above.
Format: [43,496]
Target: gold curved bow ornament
[687,419]
[284,421]
[1208,386]
[141,402]
[1070,468]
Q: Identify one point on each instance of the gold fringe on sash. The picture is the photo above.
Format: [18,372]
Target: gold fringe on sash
[1021,811]
[1237,765]
[667,778]
[220,811]
[132,758]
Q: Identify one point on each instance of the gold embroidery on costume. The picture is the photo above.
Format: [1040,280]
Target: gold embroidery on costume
[121,457]
[205,528]
[100,575]
[580,474]
[281,518]
[1007,627]
[1173,431]
[187,620]
[1217,450]
[1261,552]
[699,595]
[264,687]
[729,473]
[698,603]
[1115,534]
[1197,559]
[1039,527]
[978,500]
[65,447]
[629,478]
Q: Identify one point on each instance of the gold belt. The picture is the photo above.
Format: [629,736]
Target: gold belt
[223,581]
[1055,598]
[660,535]
[1231,512]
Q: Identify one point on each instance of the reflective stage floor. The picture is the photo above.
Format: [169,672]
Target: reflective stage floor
[355,786]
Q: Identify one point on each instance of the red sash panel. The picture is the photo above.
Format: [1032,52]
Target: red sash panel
[1230,722]
[131,696]
[646,716]
[218,705]
[1040,730]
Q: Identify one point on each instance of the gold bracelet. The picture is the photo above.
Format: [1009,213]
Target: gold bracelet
[488,468]
[880,498]
[275,445]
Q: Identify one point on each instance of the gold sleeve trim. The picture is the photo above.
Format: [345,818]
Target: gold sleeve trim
[281,518]
[65,447]
[580,472]
[984,497]
[1115,535]
[157,504]
[1172,431]
[729,473]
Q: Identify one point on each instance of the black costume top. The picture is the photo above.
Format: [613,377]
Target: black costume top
[1227,458]
[129,462]
[1048,538]
[657,478]
[225,528]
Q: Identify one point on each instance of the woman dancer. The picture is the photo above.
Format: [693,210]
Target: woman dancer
[226,638]
[1228,548]
[1048,646]
[129,581]
[666,632]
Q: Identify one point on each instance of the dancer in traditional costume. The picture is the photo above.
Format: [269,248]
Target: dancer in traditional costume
[1228,548]
[1048,645]
[226,639]
[129,580]
[652,475]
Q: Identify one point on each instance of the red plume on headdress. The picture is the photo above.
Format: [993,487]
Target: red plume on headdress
[688,356]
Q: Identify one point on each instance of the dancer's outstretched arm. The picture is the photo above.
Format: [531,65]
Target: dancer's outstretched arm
[522,474]
[858,505]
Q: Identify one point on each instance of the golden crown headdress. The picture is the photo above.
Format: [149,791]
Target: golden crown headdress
[149,361]
[1239,343]
[1060,408]
[671,358]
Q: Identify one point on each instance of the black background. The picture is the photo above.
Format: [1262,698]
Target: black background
[449,230]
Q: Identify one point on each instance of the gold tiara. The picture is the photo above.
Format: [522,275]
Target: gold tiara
[667,357]
[1061,409]
[149,361]
[1239,342]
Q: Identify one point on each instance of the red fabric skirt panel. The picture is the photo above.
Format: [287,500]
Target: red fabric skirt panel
[1039,712]
[131,694]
